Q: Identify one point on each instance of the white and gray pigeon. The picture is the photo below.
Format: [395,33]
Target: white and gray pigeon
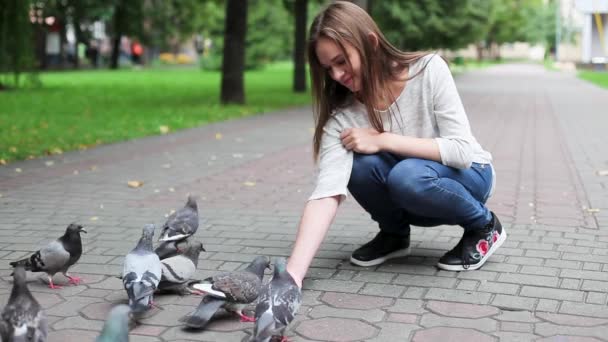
[277,307]
[57,256]
[182,223]
[116,328]
[22,318]
[232,291]
[141,272]
[178,270]
[168,249]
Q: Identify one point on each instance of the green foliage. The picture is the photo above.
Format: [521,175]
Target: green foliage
[16,41]
[269,33]
[419,25]
[85,108]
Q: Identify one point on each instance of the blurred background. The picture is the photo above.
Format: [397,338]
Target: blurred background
[79,73]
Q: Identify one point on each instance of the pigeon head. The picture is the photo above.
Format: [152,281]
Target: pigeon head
[258,265]
[191,203]
[148,232]
[74,228]
[192,250]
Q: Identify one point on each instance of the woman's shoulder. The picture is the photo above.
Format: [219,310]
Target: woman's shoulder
[429,62]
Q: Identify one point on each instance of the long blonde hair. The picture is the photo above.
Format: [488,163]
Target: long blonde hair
[342,22]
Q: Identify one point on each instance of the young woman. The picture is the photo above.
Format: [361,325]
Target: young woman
[391,130]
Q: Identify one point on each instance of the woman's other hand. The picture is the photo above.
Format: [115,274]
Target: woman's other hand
[361,140]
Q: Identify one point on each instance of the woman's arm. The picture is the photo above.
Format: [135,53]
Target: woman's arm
[368,141]
[316,219]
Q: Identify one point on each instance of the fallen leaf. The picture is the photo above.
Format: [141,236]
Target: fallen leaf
[218,136]
[12,149]
[135,183]
[163,129]
[602,173]
[93,168]
[2,162]
[249,183]
[18,170]
[593,210]
[94,218]
[171,189]
[56,150]
[49,163]
[30,157]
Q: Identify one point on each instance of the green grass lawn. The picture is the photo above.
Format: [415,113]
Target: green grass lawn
[598,77]
[80,109]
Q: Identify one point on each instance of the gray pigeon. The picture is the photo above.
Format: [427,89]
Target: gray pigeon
[182,223]
[57,256]
[277,306]
[141,272]
[168,249]
[177,270]
[231,290]
[116,328]
[22,317]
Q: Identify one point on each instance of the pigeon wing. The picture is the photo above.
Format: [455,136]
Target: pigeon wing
[239,287]
[177,269]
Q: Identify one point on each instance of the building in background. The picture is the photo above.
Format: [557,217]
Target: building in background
[594,32]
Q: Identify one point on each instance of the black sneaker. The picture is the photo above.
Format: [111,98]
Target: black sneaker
[475,247]
[382,247]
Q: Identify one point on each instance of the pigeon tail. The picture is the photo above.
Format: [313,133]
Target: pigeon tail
[32,263]
[204,312]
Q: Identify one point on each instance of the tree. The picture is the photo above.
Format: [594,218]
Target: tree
[299,54]
[16,40]
[233,65]
[432,24]
[127,19]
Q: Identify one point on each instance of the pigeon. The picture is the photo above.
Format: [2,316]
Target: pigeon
[177,270]
[231,290]
[277,306]
[116,328]
[182,223]
[141,272]
[22,318]
[168,249]
[57,256]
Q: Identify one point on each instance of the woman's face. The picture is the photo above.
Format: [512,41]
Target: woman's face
[335,63]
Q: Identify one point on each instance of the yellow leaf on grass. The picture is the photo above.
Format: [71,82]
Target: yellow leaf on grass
[218,136]
[135,183]
[2,162]
[249,183]
[56,150]
[12,149]
[163,129]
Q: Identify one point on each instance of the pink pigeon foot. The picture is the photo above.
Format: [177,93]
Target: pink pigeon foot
[245,318]
[74,280]
[53,286]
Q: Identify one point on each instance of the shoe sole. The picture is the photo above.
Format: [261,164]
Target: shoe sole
[381,260]
[483,260]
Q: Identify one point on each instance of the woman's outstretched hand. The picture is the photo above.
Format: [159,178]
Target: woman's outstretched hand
[361,140]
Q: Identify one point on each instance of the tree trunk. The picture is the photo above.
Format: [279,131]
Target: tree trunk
[118,22]
[233,63]
[299,55]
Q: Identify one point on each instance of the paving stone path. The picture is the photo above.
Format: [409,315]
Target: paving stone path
[549,281]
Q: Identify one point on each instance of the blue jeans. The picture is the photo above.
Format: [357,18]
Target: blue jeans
[398,192]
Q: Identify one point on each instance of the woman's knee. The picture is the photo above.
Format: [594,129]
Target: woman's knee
[366,168]
[411,180]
